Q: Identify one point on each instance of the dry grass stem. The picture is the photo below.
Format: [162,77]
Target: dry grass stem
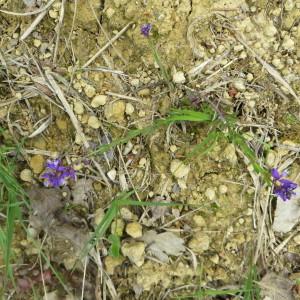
[100,51]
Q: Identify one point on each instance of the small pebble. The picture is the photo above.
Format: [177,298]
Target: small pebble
[210,194]
[37,43]
[90,91]
[135,251]
[99,100]
[111,263]
[144,93]
[134,229]
[26,175]
[199,243]
[112,174]
[129,109]
[288,44]
[94,122]
[297,239]
[78,108]
[239,84]
[173,148]
[135,82]
[53,14]
[179,77]
[199,221]
[223,189]
[249,77]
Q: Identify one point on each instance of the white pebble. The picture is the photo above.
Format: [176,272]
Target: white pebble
[210,194]
[99,100]
[223,189]
[129,109]
[112,174]
[53,14]
[94,122]
[179,77]
[239,84]
[249,77]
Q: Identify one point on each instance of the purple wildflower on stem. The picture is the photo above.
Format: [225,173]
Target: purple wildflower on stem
[283,188]
[145,29]
[56,174]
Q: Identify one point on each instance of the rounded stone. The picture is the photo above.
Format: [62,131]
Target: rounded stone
[199,221]
[135,252]
[99,100]
[129,109]
[37,163]
[223,189]
[199,243]
[94,122]
[239,84]
[210,194]
[179,77]
[78,108]
[114,112]
[26,175]
[134,229]
[90,91]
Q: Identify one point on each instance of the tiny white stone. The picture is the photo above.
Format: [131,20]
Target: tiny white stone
[129,109]
[249,77]
[238,48]
[37,43]
[142,161]
[94,122]
[223,189]
[239,84]
[210,194]
[179,77]
[173,148]
[99,100]
[112,174]
[53,14]
[128,148]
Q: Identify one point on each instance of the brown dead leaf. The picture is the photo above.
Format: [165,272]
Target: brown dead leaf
[276,287]
[81,191]
[44,203]
[163,244]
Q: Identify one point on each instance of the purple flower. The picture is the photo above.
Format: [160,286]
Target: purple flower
[284,188]
[145,29]
[56,174]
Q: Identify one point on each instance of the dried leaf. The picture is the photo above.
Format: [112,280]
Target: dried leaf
[276,287]
[81,191]
[44,203]
[163,244]
[287,214]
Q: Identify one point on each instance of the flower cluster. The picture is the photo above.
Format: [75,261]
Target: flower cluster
[283,188]
[145,29]
[56,174]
